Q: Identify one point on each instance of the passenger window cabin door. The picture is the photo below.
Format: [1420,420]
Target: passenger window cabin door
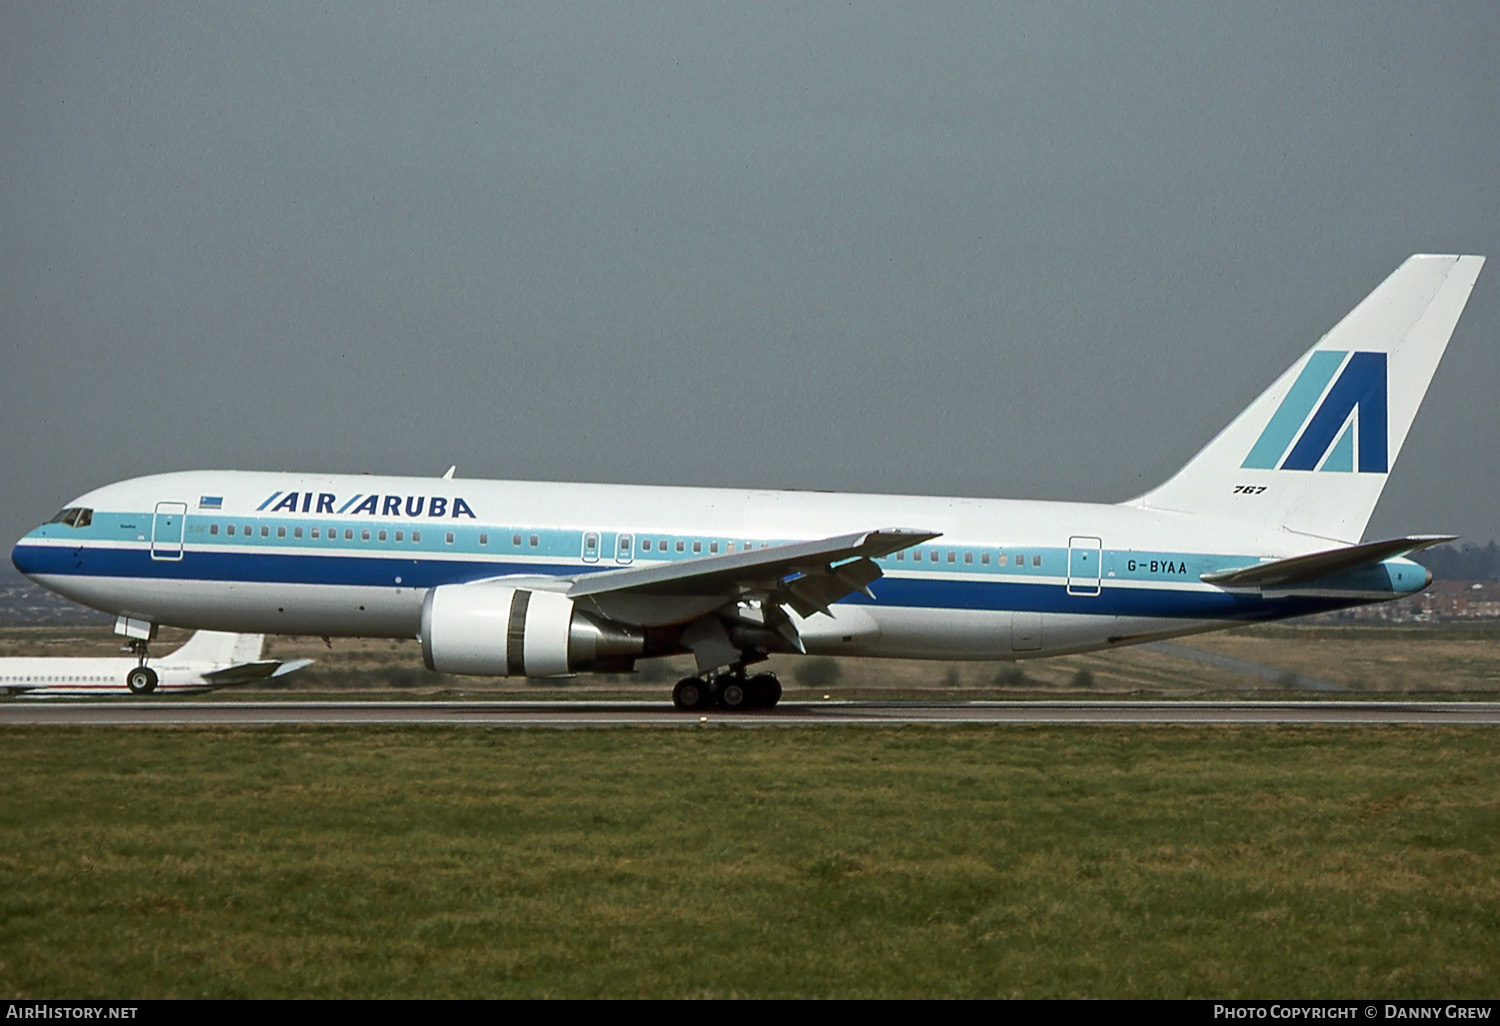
[1083,565]
[167,529]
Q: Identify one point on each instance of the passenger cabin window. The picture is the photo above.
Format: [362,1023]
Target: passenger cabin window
[416,536]
[450,538]
[381,536]
[679,546]
[484,539]
[281,532]
[213,528]
[400,535]
[348,534]
[364,535]
[515,540]
[968,557]
[229,530]
[713,546]
[985,558]
[1036,560]
[315,533]
[1001,559]
[265,531]
[296,532]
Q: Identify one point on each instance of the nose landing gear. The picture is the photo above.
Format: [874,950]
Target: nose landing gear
[142,680]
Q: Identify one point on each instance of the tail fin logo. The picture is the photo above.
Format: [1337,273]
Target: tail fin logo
[1338,427]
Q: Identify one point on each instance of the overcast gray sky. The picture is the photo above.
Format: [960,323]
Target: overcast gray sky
[1037,251]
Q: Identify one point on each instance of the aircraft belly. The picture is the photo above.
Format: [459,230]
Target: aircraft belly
[252,607]
[851,630]
[911,633]
[907,632]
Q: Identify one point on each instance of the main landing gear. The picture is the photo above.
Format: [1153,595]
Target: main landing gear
[729,691]
[142,679]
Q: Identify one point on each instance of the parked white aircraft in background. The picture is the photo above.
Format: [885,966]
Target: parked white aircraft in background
[208,660]
[504,578]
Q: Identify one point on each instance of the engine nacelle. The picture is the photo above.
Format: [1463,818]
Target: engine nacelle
[494,630]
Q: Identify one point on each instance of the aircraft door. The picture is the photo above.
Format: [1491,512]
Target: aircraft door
[166,530]
[1084,565]
[624,548]
[591,546]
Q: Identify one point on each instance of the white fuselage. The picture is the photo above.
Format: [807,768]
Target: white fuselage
[356,555]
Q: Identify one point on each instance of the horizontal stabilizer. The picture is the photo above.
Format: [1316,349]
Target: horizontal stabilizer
[245,673]
[1280,573]
[291,666]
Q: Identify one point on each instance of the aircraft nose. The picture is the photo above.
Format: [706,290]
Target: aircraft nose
[23,557]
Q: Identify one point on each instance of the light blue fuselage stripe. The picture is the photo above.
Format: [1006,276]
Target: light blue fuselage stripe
[1289,416]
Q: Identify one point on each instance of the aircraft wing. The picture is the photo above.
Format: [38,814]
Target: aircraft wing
[1281,573]
[807,576]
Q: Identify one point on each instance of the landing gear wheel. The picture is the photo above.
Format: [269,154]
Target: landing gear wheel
[689,694]
[141,680]
[733,694]
[765,690]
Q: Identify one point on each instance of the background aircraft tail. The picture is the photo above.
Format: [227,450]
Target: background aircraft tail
[1312,454]
[220,647]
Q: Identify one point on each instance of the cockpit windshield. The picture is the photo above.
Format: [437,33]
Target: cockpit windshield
[74,516]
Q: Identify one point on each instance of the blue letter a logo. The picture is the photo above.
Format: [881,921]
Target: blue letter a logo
[1355,404]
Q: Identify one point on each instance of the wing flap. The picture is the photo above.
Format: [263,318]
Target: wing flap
[1279,573]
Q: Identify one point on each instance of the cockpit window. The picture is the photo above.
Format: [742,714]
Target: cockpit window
[74,516]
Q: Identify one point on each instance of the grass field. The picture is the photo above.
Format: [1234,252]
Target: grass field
[911,862]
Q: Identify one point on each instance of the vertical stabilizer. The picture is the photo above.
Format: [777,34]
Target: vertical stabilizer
[1313,452]
[220,648]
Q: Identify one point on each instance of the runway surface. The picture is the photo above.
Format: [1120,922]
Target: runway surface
[148,712]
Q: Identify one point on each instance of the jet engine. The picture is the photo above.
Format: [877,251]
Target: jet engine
[501,631]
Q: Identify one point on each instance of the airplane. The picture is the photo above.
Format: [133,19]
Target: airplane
[207,660]
[538,579]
